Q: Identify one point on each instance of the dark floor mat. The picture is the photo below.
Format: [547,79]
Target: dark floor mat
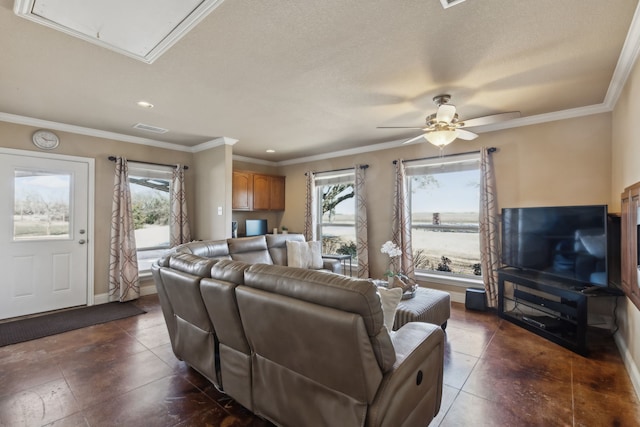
[55,323]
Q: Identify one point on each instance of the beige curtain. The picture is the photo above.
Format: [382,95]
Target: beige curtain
[123,263]
[309,208]
[179,221]
[362,240]
[401,224]
[489,228]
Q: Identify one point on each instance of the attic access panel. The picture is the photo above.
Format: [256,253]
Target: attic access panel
[141,29]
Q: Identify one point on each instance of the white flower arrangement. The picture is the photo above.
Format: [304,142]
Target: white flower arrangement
[393,251]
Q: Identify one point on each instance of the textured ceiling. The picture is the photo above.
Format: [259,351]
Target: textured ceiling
[311,77]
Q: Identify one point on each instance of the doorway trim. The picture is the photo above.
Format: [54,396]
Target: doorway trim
[90,205]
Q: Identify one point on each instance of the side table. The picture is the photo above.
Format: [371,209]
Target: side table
[343,259]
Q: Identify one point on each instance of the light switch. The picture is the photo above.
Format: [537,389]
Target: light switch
[219,210]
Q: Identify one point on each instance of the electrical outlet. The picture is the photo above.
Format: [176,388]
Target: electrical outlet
[219,210]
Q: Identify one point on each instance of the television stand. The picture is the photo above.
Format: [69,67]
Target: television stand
[549,307]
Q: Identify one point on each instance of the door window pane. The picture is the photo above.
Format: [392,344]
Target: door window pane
[41,205]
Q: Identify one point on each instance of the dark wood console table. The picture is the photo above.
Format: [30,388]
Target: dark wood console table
[549,307]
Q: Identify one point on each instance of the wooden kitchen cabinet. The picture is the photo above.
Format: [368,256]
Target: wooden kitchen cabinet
[629,243]
[257,192]
[242,193]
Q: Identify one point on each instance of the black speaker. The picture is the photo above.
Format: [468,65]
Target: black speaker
[475,299]
[234,229]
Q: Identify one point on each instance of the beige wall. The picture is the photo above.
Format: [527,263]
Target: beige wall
[557,163]
[213,175]
[19,137]
[626,171]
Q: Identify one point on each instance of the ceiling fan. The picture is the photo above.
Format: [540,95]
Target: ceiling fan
[444,126]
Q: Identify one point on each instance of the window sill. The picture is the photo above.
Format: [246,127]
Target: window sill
[442,279]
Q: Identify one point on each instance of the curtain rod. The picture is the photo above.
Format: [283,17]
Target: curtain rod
[113,159]
[489,150]
[338,170]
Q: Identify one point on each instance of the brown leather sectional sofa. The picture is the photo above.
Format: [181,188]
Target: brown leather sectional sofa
[298,347]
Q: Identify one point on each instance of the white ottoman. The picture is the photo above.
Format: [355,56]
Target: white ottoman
[429,305]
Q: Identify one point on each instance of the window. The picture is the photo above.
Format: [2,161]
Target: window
[445,208]
[41,205]
[335,192]
[150,204]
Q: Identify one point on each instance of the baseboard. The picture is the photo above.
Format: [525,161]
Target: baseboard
[632,368]
[149,289]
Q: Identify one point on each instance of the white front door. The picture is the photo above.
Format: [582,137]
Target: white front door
[44,232]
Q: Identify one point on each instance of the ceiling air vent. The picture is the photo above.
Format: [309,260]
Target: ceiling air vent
[149,128]
[448,3]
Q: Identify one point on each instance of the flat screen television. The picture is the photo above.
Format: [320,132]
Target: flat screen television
[255,227]
[567,242]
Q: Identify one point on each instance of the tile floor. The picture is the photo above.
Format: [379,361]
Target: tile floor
[124,373]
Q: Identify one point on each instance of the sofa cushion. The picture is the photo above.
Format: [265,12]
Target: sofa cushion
[277,244]
[229,271]
[304,255]
[249,249]
[356,296]
[192,264]
[216,249]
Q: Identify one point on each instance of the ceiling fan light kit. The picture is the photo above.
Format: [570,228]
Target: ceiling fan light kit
[444,126]
[440,138]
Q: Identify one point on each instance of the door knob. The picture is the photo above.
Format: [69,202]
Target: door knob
[82,241]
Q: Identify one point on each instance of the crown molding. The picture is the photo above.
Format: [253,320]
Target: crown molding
[253,160]
[341,153]
[626,61]
[217,142]
[544,118]
[80,130]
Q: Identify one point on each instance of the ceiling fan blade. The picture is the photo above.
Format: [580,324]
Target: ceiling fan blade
[446,113]
[494,118]
[415,138]
[399,127]
[466,135]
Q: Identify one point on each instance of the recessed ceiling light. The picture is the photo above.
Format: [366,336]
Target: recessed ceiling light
[145,104]
[271,151]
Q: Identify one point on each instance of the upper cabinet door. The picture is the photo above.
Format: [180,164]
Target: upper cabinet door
[277,193]
[261,192]
[242,192]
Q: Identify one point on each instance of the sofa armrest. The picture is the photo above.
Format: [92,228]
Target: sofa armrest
[333,265]
[411,392]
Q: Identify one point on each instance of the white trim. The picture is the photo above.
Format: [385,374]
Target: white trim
[218,142]
[144,290]
[626,61]
[252,160]
[80,130]
[449,280]
[91,189]
[632,369]
[23,9]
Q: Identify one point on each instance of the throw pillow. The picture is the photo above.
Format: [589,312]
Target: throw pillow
[315,255]
[390,299]
[304,254]
[297,254]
